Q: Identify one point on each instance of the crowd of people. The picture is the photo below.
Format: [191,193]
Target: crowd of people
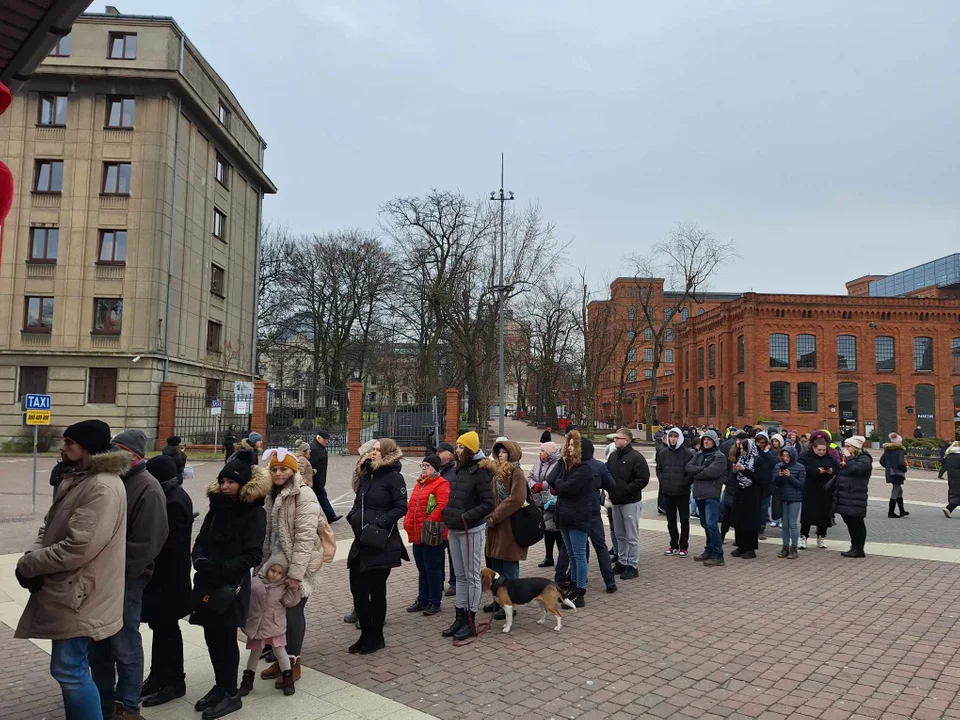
[115,549]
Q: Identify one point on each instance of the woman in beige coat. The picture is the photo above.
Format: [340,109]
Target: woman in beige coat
[509,486]
[294,522]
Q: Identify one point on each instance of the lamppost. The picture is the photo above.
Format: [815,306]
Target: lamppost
[503,288]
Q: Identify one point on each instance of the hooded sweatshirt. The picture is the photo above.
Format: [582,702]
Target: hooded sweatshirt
[707,469]
[672,465]
[791,488]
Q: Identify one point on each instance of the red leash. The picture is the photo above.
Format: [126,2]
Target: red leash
[478,631]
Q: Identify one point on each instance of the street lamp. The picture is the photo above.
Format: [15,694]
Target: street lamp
[503,289]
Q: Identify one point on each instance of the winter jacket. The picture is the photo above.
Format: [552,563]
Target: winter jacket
[672,466]
[267,616]
[470,497]
[894,462]
[791,488]
[146,521]
[319,460]
[81,552]
[851,484]
[417,506]
[507,479]
[167,596]
[602,483]
[228,546]
[381,500]
[951,464]
[832,448]
[630,473]
[574,488]
[293,523]
[707,469]
[766,461]
[306,470]
[178,456]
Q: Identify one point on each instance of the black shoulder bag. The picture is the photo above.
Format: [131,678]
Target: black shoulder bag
[527,523]
[371,535]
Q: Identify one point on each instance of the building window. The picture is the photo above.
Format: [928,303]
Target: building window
[120,111]
[925,399]
[214,332]
[223,114]
[807,352]
[668,335]
[33,381]
[223,171]
[52,110]
[712,357]
[219,224]
[686,402]
[700,407]
[668,355]
[885,349]
[648,373]
[923,354]
[713,400]
[741,399]
[647,334]
[780,396]
[648,355]
[218,281]
[700,372]
[848,402]
[807,397]
[631,335]
[699,312]
[741,354]
[116,178]
[113,247]
[103,386]
[955,359]
[846,352]
[123,46]
[38,314]
[631,376]
[779,350]
[211,389]
[48,176]
[668,314]
[668,372]
[62,48]
[44,243]
[632,355]
[107,316]
[629,292]
[632,313]
[686,365]
[684,314]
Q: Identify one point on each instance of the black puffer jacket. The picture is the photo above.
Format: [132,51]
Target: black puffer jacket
[707,470]
[672,466]
[894,462]
[471,497]
[850,487]
[574,488]
[630,473]
[382,501]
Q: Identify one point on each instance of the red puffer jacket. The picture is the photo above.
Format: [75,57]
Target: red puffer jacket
[417,506]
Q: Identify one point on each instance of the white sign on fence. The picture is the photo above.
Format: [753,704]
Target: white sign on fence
[242,398]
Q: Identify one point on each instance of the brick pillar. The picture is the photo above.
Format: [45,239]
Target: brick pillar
[355,418]
[452,430]
[167,420]
[258,423]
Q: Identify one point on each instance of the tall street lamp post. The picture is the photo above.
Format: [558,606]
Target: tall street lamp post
[503,288]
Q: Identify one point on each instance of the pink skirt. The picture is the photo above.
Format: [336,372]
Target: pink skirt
[258,643]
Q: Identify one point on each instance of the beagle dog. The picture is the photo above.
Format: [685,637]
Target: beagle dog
[520,591]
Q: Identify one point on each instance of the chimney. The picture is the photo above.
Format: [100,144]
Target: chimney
[112,11]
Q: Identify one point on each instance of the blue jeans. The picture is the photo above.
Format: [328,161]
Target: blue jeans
[506,568]
[70,666]
[117,662]
[694,505]
[791,524]
[431,562]
[709,511]
[575,542]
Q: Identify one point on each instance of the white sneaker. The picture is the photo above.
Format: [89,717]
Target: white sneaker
[803,543]
[820,542]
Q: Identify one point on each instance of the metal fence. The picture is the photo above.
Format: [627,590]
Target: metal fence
[409,424]
[196,423]
[297,413]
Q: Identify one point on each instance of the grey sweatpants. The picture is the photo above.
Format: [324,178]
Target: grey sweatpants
[626,526]
[467,563]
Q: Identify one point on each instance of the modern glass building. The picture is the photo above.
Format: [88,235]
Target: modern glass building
[937,273]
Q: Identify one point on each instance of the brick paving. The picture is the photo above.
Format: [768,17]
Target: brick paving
[27,690]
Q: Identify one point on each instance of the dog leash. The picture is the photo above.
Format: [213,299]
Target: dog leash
[478,631]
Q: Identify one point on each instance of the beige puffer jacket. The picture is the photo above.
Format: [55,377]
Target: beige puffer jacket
[81,554]
[294,522]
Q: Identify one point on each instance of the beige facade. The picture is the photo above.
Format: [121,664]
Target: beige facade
[121,164]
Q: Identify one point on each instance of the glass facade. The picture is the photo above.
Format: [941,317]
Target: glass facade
[944,271]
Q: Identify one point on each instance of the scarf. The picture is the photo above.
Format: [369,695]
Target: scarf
[747,460]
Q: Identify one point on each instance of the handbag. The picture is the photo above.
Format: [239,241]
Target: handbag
[371,535]
[328,541]
[216,601]
[432,533]
[527,523]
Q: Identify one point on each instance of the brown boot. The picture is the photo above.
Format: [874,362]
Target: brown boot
[271,672]
[288,687]
[122,713]
[246,683]
[294,669]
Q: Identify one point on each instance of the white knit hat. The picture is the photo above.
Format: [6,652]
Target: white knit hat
[856,441]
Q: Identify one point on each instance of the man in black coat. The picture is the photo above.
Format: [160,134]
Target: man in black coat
[672,461]
[319,461]
[166,598]
[630,475]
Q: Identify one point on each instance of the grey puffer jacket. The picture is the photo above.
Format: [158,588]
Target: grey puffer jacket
[708,469]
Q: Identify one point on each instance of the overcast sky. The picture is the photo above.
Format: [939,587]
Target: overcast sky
[820,136]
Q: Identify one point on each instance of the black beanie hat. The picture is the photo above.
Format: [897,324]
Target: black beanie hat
[237,470]
[92,435]
[162,467]
[173,440]
[586,449]
[433,460]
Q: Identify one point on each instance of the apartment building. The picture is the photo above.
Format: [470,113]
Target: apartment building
[130,254]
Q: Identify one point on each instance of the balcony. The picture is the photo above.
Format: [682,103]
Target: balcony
[104,340]
[117,136]
[55,134]
[110,272]
[41,270]
[34,339]
[45,200]
[114,202]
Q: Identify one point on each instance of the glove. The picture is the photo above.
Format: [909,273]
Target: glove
[538,487]
[383,522]
[32,584]
[204,566]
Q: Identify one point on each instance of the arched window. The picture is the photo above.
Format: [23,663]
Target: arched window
[779,350]
[807,397]
[885,348]
[780,396]
[846,352]
[923,354]
[807,352]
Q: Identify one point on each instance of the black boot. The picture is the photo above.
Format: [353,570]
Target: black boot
[577,598]
[903,513]
[890,512]
[224,706]
[456,625]
[150,685]
[165,694]
[467,629]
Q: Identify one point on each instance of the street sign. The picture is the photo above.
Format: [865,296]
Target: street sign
[36,412]
[38,402]
[242,398]
[216,407]
[38,417]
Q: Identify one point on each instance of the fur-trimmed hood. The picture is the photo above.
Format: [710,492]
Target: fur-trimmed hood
[572,439]
[255,490]
[893,446]
[514,453]
[115,462]
[365,462]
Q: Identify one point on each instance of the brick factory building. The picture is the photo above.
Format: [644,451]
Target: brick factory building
[885,357]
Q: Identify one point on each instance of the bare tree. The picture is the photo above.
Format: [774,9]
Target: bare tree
[554,336]
[598,328]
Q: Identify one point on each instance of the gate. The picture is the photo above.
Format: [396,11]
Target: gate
[195,422]
[409,424]
[295,414]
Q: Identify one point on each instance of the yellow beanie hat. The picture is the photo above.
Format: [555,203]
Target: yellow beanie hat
[469,440]
[288,460]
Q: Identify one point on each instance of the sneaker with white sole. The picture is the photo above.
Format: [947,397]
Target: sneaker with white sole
[820,542]
[803,543]
[671,551]
[682,553]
